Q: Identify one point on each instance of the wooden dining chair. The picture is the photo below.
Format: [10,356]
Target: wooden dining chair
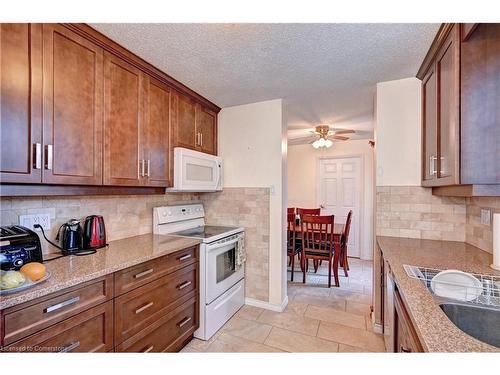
[290,210]
[293,246]
[308,211]
[344,239]
[317,244]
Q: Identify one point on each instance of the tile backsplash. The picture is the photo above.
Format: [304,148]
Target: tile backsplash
[127,216]
[413,212]
[478,234]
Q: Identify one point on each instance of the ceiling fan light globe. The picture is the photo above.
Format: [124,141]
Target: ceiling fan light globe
[321,142]
[316,144]
[328,143]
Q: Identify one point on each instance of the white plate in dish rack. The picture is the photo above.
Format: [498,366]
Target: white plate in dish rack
[457,285]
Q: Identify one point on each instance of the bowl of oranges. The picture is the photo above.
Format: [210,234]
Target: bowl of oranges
[30,275]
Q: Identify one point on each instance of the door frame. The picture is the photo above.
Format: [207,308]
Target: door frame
[360,195]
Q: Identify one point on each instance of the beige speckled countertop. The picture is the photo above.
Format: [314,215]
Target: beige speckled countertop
[120,254]
[436,332]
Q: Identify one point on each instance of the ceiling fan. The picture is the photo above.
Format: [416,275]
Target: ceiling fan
[323,136]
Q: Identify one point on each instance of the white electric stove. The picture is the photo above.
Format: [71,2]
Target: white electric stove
[222,280]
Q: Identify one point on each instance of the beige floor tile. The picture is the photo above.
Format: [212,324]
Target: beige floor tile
[249,312]
[351,349]
[227,343]
[189,349]
[290,321]
[296,342]
[327,314]
[201,345]
[351,336]
[351,296]
[357,308]
[250,330]
[328,301]
[296,307]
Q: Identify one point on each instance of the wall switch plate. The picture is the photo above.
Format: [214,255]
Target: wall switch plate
[29,221]
[485,217]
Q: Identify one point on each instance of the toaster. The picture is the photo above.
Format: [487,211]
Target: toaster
[18,246]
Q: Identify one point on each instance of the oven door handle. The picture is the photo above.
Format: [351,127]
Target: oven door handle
[217,246]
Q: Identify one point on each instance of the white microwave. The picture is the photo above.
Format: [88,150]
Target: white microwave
[196,171]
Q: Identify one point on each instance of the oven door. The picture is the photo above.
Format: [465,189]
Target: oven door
[221,269]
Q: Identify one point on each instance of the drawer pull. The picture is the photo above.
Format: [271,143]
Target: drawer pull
[184,257]
[183,322]
[148,349]
[70,347]
[146,306]
[58,306]
[144,273]
[184,285]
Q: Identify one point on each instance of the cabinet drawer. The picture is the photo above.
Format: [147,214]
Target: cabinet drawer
[89,331]
[164,334]
[133,277]
[143,306]
[26,319]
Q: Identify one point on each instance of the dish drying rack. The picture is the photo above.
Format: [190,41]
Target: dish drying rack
[490,285]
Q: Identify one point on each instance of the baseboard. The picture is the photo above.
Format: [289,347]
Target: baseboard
[267,305]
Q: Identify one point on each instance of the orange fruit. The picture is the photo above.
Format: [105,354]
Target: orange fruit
[34,270]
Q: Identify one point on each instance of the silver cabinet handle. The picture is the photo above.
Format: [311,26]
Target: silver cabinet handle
[144,273]
[145,307]
[37,160]
[184,257]
[148,165]
[58,306]
[148,349]
[184,285]
[432,165]
[183,322]
[197,139]
[201,139]
[48,157]
[141,168]
[70,347]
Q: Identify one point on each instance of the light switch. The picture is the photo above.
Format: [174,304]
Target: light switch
[485,217]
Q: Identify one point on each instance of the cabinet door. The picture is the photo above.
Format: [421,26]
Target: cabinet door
[429,127]
[448,78]
[20,112]
[206,127]
[72,108]
[123,101]
[185,125]
[157,133]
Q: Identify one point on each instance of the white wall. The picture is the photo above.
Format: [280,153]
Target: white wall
[252,143]
[398,132]
[302,181]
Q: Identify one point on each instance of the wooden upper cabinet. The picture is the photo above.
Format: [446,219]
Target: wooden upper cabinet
[20,112]
[185,124]
[448,75]
[429,126]
[480,104]
[123,118]
[72,108]
[157,133]
[206,129]
[441,114]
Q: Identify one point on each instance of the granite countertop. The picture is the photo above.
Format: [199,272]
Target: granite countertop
[436,332]
[71,270]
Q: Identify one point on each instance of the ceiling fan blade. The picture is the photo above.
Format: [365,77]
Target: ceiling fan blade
[340,138]
[345,131]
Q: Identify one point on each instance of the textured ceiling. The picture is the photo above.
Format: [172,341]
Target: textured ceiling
[325,72]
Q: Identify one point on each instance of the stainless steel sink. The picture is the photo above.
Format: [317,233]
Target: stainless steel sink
[483,323]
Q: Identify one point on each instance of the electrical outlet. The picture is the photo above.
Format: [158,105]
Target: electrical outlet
[485,217]
[29,221]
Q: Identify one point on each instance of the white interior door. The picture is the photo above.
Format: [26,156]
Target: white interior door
[339,191]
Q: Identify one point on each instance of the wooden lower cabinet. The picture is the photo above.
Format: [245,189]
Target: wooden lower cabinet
[406,339]
[157,316]
[168,333]
[89,331]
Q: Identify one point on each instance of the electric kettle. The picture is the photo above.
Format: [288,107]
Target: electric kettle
[70,237]
[94,232]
